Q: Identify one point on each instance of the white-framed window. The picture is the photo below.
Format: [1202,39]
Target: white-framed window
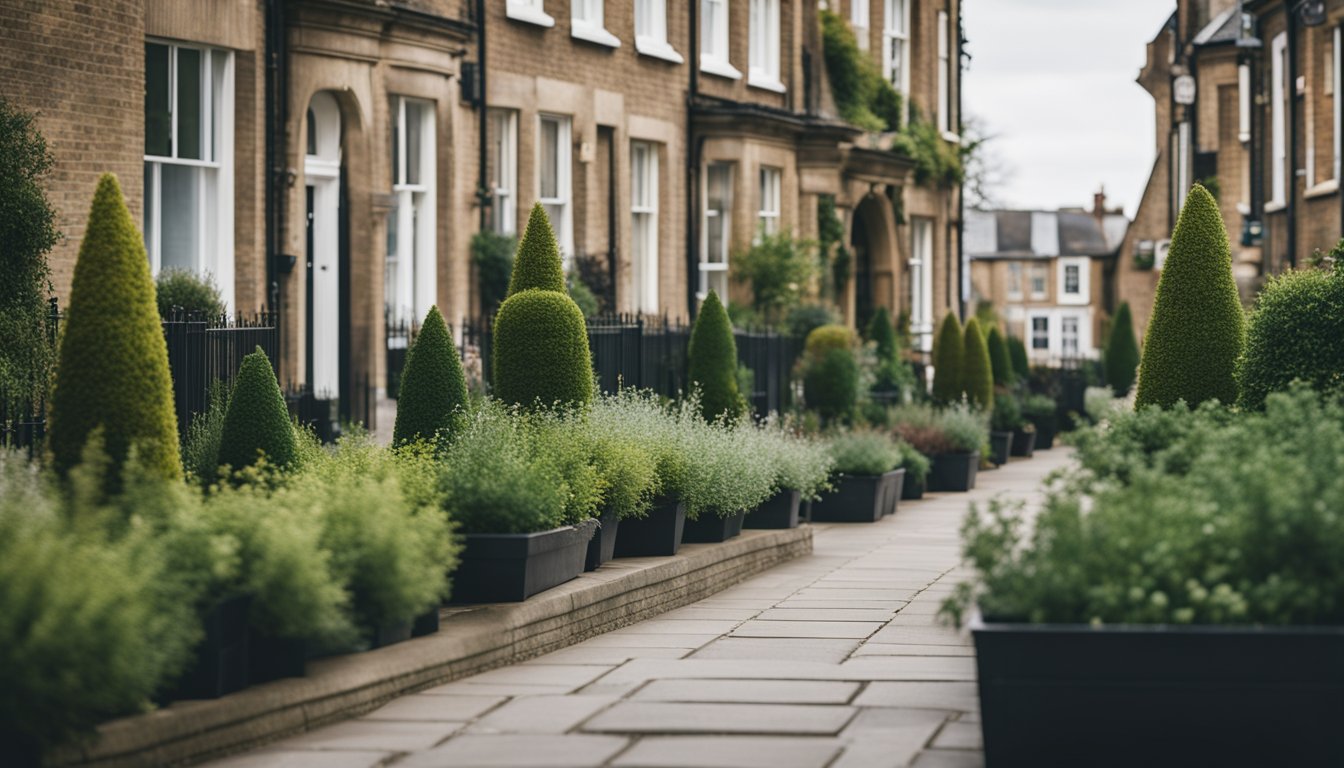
[1069,336]
[554,156]
[1055,334]
[1278,120]
[1014,281]
[1038,328]
[529,11]
[858,19]
[921,283]
[714,39]
[944,73]
[767,216]
[586,22]
[763,48]
[651,30]
[1039,277]
[1244,97]
[411,280]
[644,225]
[1074,280]
[896,44]
[717,228]
[188,210]
[502,160]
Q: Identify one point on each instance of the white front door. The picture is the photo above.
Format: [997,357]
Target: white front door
[322,171]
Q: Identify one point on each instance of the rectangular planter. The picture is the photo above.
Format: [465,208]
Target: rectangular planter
[511,567]
[912,488]
[859,498]
[1045,434]
[1024,443]
[1160,695]
[391,633]
[602,547]
[1000,445]
[273,658]
[657,534]
[953,472]
[712,529]
[779,511]
[219,665]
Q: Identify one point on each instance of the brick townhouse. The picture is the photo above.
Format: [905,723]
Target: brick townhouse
[332,159]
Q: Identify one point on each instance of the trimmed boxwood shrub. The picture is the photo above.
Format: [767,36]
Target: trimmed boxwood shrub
[1017,354]
[113,362]
[1296,332]
[433,386]
[831,372]
[186,291]
[541,351]
[947,354]
[1198,328]
[976,377]
[257,421]
[998,358]
[712,363]
[537,264]
[1122,352]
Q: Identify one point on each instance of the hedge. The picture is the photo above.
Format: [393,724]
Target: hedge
[433,386]
[712,361]
[1296,332]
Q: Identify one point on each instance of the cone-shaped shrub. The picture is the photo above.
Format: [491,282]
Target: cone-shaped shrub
[882,333]
[1017,353]
[433,386]
[998,358]
[947,354]
[1197,329]
[712,363]
[537,264]
[1122,352]
[541,350]
[1297,332]
[257,422]
[977,376]
[112,369]
[831,384]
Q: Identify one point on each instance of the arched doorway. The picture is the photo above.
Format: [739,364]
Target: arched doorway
[322,169]
[861,246]
[872,244]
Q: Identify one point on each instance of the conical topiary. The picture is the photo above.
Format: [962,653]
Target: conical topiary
[712,361]
[1122,352]
[977,376]
[1197,329]
[541,351]
[998,358]
[883,334]
[1017,353]
[112,368]
[537,264]
[257,422]
[433,386]
[947,354]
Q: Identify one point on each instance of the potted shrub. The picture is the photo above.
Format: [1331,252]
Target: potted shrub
[916,466]
[802,471]
[1040,412]
[1007,417]
[1171,594]
[653,528]
[951,438]
[733,476]
[628,473]
[866,478]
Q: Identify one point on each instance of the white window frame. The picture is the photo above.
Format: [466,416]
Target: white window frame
[587,22]
[860,20]
[644,226]
[1082,295]
[1278,124]
[412,267]
[1055,339]
[213,255]
[1015,278]
[769,186]
[503,126]
[1031,334]
[714,39]
[944,73]
[1040,270]
[896,34]
[529,12]
[564,228]
[708,268]
[1065,320]
[1244,103]
[651,31]
[763,52]
[921,283]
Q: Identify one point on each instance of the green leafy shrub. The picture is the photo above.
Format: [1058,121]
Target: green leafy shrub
[920,425]
[1007,413]
[779,269]
[966,428]
[730,474]
[541,351]
[583,296]
[712,362]
[938,162]
[1040,410]
[1122,352]
[831,384]
[537,264]
[492,253]
[1296,332]
[628,471]
[1197,330]
[864,452]
[113,361]
[1100,404]
[805,318]
[977,379]
[638,417]
[200,448]
[801,464]
[1151,438]
[947,361]
[556,443]
[859,89]
[257,423]
[433,386]
[915,464]
[1017,355]
[999,363]
[184,290]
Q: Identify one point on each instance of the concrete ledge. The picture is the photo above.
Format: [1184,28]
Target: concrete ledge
[471,640]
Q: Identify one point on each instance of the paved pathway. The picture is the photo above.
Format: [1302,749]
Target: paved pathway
[833,660]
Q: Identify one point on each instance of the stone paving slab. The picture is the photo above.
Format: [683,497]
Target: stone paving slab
[435,708]
[542,714]
[729,752]
[283,759]
[676,717]
[519,751]
[828,629]
[749,691]
[832,651]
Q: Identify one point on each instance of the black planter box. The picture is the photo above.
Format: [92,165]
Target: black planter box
[805,512]
[1045,434]
[912,487]
[779,511]
[712,529]
[1024,443]
[426,623]
[953,472]
[657,534]
[219,665]
[391,633]
[511,567]
[602,547]
[272,658]
[1000,445]
[859,498]
[1160,695]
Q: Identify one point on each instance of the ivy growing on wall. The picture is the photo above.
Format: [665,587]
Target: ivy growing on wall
[938,162]
[862,95]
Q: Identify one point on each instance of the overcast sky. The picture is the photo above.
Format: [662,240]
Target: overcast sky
[1054,80]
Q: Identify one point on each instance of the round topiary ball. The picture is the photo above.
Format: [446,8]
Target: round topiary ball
[976,375]
[827,337]
[947,354]
[540,351]
[1296,332]
[433,386]
[712,363]
[257,421]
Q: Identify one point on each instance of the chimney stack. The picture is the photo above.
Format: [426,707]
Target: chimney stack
[1099,204]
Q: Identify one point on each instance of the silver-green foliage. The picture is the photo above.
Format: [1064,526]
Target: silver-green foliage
[864,452]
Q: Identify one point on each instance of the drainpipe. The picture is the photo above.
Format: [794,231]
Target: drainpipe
[277,114]
[483,197]
[693,149]
[962,264]
[1291,118]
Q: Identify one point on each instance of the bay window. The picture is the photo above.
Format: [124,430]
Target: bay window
[644,225]
[411,280]
[717,228]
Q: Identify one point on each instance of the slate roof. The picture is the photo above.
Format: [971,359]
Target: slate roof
[1042,234]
